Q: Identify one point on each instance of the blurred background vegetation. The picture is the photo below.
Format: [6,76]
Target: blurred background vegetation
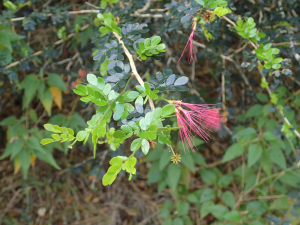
[247,174]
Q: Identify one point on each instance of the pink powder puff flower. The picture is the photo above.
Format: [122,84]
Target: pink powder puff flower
[185,133]
[189,44]
[200,119]
[209,116]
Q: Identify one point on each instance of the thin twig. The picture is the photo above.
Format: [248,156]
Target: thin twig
[133,67]
[147,15]
[263,197]
[223,84]
[285,43]
[240,70]
[90,4]
[50,14]
[146,7]
[40,52]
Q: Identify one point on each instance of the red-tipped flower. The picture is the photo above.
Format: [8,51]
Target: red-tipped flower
[189,44]
[185,133]
[199,119]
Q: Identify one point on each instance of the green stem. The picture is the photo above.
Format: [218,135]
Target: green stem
[131,155]
[172,150]
[73,143]
[165,99]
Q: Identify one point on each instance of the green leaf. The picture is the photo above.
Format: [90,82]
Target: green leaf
[47,157]
[133,125]
[154,175]
[291,178]
[255,209]
[254,154]
[140,88]
[33,115]
[139,101]
[8,150]
[108,179]
[143,124]
[56,137]
[199,159]
[228,199]
[55,80]
[116,161]
[132,95]
[49,127]
[277,156]
[167,110]
[5,40]
[246,134]
[266,163]
[225,180]
[212,5]
[17,146]
[275,51]
[269,136]
[81,135]
[188,161]
[278,60]
[222,3]
[119,134]
[148,118]
[156,114]
[164,159]
[233,152]
[136,144]
[33,143]
[267,46]
[206,208]
[46,141]
[127,129]
[145,146]
[30,84]
[207,195]
[8,121]
[24,158]
[254,111]
[128,107]
[208,176]
[100,83]
[183,208]
[155,40]
[218,211]
[118,114]
[147,42]
[281,203]
[147,86]
[107,89]
[47,100]
[276,66]
[233,216]
[262,97]
[200,2]
[92,79]
[178,221]
[141,46]
[173,175]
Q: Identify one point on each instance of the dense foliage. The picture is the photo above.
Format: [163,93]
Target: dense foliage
[86,77]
